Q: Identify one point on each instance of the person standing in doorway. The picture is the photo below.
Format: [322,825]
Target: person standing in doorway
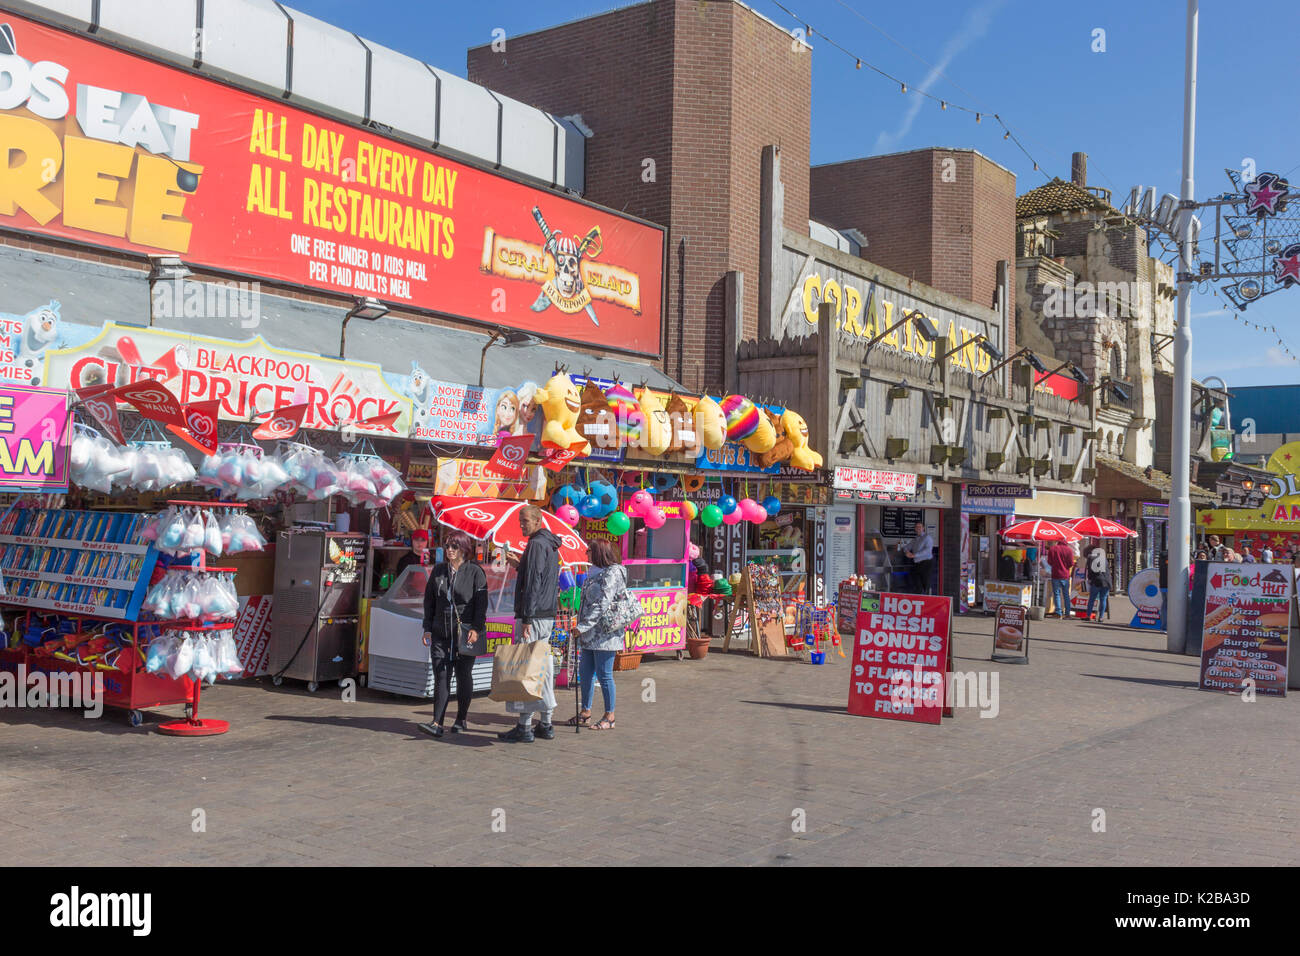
[921,550]
[1266,555]
[1060,557]
[537,591]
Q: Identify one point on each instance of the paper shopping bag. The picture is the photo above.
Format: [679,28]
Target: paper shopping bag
[519,671]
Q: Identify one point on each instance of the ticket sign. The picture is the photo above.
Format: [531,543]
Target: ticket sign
[1247,622]
[1011,634]
[900,657]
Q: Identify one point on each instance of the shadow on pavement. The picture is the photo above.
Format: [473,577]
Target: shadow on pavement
[1155,681]
[815,708]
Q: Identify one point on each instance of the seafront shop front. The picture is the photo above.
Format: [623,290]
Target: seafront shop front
[879,510]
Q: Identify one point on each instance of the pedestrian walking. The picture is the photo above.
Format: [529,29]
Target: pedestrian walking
[537,589]
[1099,582]
[598,632]
[1061,558]
[921,550]
[455,625]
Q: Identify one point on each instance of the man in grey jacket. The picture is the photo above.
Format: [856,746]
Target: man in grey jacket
[537,591]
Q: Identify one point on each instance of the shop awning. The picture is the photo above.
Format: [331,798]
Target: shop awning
[92,293]
[1125,480]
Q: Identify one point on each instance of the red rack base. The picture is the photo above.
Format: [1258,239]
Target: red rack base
[201,727]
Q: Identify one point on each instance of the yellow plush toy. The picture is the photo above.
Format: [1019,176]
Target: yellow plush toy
[561,401]
[657,433]
[796,429]
[710,424]
[764,437]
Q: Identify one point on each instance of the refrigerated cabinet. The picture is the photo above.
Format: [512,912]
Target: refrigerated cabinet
[318,578]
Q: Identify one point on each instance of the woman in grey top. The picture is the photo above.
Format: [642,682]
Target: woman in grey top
[605,581]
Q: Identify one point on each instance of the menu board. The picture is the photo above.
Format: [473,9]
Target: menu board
[901,656]
[846,608]
[1011,630]
[1245,630]
[900,522]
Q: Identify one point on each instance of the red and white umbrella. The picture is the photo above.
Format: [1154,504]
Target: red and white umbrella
[495,520]
[1040,529]
[1095,526]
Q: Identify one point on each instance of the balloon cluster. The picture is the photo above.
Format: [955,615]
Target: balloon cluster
[571,502]
[642,505]
[729,511]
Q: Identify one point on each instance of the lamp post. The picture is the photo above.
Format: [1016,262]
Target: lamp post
[1180,501]
[509,340]
[367,308]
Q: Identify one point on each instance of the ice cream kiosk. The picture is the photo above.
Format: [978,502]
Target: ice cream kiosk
[656,560]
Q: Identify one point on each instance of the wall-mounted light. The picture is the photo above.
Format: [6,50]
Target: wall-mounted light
[924,328]
[508,339]
[369,309]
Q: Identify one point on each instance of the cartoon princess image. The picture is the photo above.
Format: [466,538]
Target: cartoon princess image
[507,415]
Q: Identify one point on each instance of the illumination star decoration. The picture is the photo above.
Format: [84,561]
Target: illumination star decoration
[1266,195]
[1286,267]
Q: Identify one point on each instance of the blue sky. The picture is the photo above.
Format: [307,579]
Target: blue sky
[1032,63]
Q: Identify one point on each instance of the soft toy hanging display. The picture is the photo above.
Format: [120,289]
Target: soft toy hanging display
[625,408]
[796,429]
[781,450]
[710,424]
[560,400]
[597,422]
[742,417]
[682,426]
[654,427]
[763,438]
[567,495]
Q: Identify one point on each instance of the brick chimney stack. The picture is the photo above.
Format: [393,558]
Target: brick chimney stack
[1079,169]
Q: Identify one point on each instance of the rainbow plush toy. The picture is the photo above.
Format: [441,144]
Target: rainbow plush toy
[627,411]
[764,437]
[742,417]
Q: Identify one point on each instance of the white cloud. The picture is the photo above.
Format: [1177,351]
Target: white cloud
[973,28]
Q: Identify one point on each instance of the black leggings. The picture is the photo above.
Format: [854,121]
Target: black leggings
[442,665]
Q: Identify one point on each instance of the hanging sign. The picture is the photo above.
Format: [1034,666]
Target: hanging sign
[281,423]
[511,456]
[100,406]
[152,400]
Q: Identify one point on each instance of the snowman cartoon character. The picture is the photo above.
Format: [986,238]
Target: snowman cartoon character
[417,389]
[40,331]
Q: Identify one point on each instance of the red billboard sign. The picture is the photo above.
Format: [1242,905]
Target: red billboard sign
[900,656]
[105,147]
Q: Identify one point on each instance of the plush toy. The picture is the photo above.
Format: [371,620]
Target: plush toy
[796,429]
[781,450]
[742,417]
[624,405]
[561,401]
[764,437]
[657,430]
[597,422]
[710,424]
[682,426]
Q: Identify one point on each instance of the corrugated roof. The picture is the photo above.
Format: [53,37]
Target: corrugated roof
[1059,196]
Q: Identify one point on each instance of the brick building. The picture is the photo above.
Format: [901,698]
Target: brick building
[945,217]
[682,97]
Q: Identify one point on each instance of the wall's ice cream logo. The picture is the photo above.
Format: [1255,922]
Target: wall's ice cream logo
[565,266]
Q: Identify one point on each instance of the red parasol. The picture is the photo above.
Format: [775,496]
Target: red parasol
[1095,526]
[491,519]
[1040,529]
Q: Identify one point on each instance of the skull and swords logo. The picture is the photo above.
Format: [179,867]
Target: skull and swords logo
[567,291]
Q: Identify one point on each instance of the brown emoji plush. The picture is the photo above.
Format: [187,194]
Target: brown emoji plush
[779,452]
[596,420]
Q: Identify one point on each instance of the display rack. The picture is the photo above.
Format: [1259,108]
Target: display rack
[766,609]
[192,725]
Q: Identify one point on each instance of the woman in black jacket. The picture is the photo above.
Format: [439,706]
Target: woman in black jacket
[455,601]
